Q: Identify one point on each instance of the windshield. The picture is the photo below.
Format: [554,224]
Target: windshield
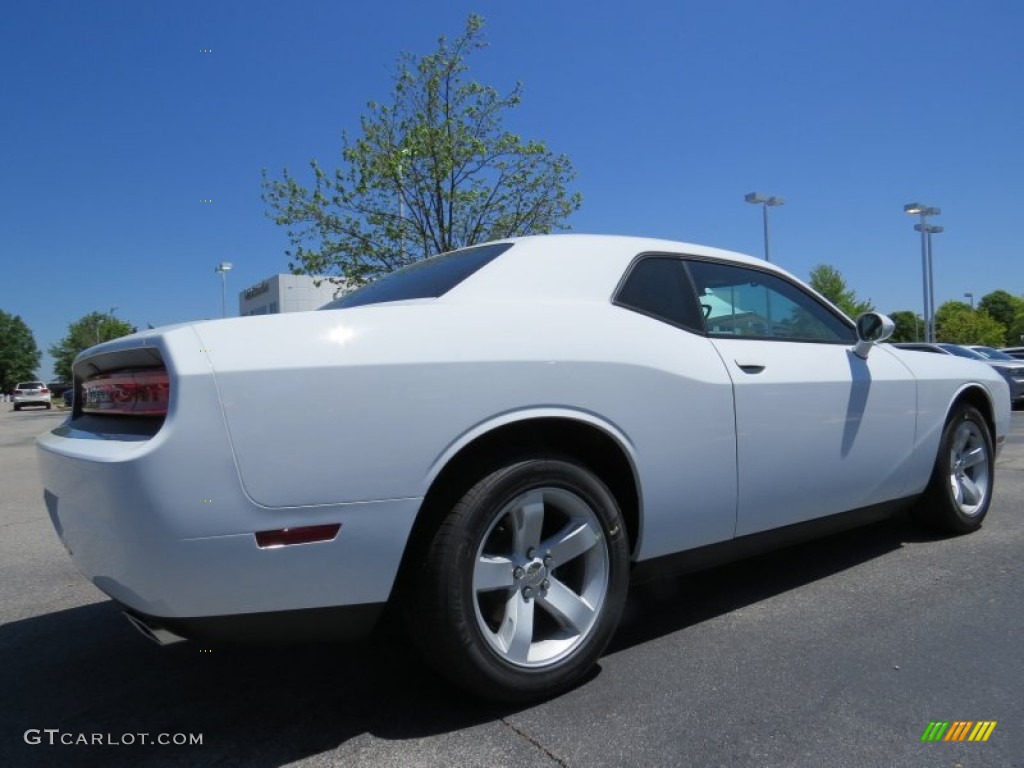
[956,349]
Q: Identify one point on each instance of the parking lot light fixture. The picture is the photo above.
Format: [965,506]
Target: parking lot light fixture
[766,202]
[927,287]
[224,267]
[933,229]
[929,230]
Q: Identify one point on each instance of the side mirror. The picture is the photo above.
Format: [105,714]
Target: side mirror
[872,327]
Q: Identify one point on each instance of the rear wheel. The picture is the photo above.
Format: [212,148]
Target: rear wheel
[524,582]
[960,490]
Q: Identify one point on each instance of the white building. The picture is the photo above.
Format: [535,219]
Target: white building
[286,293]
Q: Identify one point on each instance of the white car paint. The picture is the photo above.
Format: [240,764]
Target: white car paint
[349,415]
[803,421]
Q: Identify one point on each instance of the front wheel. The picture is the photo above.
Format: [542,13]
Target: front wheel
[523,583]
[960,490]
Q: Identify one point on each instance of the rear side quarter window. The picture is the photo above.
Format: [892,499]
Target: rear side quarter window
[659,287]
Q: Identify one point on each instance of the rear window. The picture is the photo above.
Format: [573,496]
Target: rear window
[426,279]
[31,385]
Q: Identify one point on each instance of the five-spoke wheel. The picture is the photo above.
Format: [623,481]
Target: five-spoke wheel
[958,496]
[523,583]
[541,577]
[969,467]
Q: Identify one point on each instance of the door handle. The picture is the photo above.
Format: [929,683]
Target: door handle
[750,367]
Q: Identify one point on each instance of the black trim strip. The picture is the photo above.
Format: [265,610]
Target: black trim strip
[713,555]
[348,622]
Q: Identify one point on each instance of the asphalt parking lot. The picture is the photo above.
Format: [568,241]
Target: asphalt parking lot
[835,653]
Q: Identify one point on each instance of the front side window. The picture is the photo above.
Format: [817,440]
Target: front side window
[746,302]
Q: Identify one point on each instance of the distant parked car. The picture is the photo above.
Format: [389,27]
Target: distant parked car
[1010,368]
[1014,352]
[31,393]
[69,396]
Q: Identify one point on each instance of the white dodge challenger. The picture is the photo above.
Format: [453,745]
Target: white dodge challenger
[495,441]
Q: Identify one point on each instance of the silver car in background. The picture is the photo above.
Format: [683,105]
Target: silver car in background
[31,393]
[1010,368]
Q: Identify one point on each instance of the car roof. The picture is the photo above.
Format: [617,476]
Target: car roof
[576,266]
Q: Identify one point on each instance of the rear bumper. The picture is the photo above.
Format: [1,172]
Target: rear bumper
[160,523]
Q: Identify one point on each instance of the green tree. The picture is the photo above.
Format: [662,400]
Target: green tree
[433,171]
[957,323]
[829,282]
[909,326]
[19,355]
[87,331]
[1007,309]
[1015,333]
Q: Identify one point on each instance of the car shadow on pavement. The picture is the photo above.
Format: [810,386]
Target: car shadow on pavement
[85,671]
[658,608]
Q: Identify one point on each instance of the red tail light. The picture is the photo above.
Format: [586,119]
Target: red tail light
[43,391]
[138,392]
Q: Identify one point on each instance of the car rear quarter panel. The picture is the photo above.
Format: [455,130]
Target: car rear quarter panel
[363,404]
[156,522]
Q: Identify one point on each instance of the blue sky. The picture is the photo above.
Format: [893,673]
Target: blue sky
[116,124]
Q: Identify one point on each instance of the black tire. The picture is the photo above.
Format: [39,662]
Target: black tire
[461,625]
[49,406]
[17,407]
[959,493]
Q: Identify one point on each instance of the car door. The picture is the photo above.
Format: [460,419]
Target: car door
[819,429]
[682,430]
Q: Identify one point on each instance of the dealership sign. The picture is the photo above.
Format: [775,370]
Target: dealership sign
[256,290]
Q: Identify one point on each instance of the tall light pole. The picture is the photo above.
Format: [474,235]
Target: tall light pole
[924,212]
[224,267]
[765,203]
[402,154]
[969,295]
[929,230]
[99,322]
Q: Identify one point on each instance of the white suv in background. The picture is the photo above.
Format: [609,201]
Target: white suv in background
[31,393]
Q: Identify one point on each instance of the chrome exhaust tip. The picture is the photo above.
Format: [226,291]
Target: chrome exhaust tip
[157,634]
